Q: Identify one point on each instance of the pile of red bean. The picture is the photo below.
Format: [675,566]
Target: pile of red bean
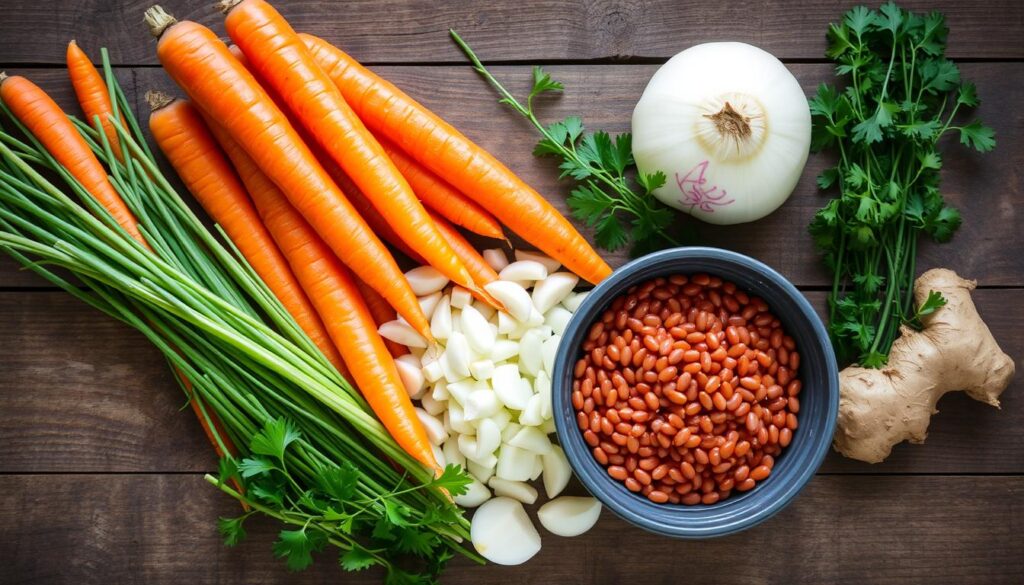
[687,389]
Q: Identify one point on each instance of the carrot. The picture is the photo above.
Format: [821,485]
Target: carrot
[334,293]
[390,112]
[382,313]
[225,90]
[51,126]
[364,206]
[180,133]
[280,59]
[93,97]
[438,195]
[475,263]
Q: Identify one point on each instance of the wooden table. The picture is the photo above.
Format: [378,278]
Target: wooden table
[100,470]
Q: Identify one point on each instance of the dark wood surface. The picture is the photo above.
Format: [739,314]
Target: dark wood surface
[100,470]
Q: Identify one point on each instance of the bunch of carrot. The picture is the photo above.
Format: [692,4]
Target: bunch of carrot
[308,161]
[239,319]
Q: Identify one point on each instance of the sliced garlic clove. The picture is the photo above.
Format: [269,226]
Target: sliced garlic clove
[556,471]
[495,258]
[569,516]
[502,532]
[425,280]
[517,490]
[524,270]
[476,494]
[531,439]
[550,263]
[401,333]
[553,289]
[513,297]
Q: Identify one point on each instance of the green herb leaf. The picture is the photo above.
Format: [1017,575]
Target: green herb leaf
[231,529]
[414,541]
[610,234]
[453,479]
[977,136]
[253,466]
[932,303]
[338,481]
[542,83]
[297,547]
[275,437]
[357,559]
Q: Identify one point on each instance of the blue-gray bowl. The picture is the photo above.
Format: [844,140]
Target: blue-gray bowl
[795,466]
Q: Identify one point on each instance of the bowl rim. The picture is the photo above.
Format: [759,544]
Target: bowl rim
[786,493]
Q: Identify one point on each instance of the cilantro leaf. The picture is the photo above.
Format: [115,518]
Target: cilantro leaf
[253,466]
[396,513]
[967,95]
[274,438]
[589,204]
[297,547]
[932,303]
[338,481]
[417,542]
[649,182]
[978,136]
[542,83]
[357,559]
[453,479]
[610,234]
[231,529]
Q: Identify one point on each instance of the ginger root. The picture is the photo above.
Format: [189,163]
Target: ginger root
[879,408]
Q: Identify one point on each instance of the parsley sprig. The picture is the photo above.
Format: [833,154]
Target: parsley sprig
[324,502]
[901,98]
[608,196]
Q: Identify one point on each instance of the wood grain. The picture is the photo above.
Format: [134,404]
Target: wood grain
[987,188]
[882,530]
[416,31]
[81,392]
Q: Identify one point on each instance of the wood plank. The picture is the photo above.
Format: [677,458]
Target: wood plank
[416,31]
[160,529]
[984,187]
[80,392]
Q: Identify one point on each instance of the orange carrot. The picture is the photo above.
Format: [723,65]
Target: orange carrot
[225,90]
[91,90]
[336,297]
[390,112]
[51,126]
[475,263]
[48,123]
[382,313]
[441,197]
[364,206]
[188,145]
[279,58]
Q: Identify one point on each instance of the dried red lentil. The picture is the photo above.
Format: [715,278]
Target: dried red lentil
[687,389]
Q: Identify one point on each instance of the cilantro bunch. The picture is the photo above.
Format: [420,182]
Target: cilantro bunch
[608,196]
[901,97]
[326,498]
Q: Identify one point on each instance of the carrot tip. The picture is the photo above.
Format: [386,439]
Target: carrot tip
[158,20]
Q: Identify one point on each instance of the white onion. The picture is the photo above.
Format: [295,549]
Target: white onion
[452,454]
[502,532]
[482,369]
[532,414]
[458,356]
[558,319]
[481,404]
[569,516]
[503,350]
[573,301]
[509,388]
[531,351]
[432,405]
[729,126]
